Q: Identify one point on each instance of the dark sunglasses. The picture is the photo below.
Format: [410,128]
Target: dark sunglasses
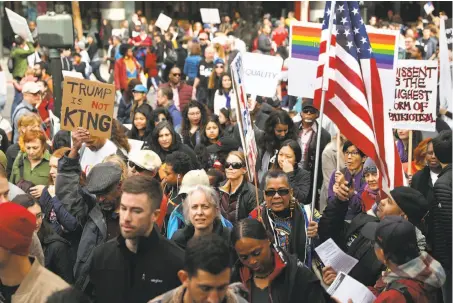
[281,192]
[235,165]
[137,168]
[177,75]
[309,111]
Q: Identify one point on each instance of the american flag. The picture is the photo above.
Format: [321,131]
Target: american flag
[353,100]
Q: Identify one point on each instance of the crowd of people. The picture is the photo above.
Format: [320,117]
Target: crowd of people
[85,218]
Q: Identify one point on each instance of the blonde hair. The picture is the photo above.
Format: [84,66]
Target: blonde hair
[118,160]
[27,120]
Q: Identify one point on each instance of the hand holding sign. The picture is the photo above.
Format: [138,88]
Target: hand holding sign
[87,104]
[19,25]
[163,22]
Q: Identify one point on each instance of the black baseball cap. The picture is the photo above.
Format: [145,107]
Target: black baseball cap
[392,234]
[308,103]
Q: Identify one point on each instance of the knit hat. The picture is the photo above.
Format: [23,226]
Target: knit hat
[442,146]
[411,202]
[146,159]
[103,177]
[17,225]
[369,166]
[192,178]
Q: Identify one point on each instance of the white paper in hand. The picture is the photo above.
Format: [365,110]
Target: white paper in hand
[210,15]
[163,22]
[19,25]
[331,255]
[345,287]
[429,7]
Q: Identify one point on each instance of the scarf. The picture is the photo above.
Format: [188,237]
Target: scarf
[228,100]
[423,268]
[401,151]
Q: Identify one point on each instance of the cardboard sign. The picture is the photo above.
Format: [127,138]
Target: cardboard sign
[415,95]
[210,15]
[429,8]
[67,73]
[19,25]
[88,104]
[243,113]
[163,22]
[262,73]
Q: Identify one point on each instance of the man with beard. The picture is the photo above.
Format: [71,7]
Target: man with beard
[308,131]
[41,69]
[139,264]
[95,206]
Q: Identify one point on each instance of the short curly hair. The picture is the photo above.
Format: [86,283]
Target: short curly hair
[180,162]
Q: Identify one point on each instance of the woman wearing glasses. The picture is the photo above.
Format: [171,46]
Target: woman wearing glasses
[57,251]
[194,116]
[237,195]
[351,177]
[284,217]
[269,273]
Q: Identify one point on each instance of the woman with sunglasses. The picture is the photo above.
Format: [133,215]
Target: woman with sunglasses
[278,127]
[269,273]
[288,221]
[215,81]
[225,97]
[194,116]
[57,251]
[237,195]
[142,125]
[164,141]
[288,158]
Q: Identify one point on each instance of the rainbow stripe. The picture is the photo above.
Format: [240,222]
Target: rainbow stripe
[305,42]
[384,48]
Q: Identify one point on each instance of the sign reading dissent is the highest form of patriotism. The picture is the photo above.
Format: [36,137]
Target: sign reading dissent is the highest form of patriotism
[88,104]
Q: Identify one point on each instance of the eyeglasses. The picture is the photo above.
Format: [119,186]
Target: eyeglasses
[40,216]
[234,165]
[177,75]
[137,168]
[272,192]
[353,153]
[309,111]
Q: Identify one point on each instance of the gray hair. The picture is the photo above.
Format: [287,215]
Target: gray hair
[211,197]
[275,174]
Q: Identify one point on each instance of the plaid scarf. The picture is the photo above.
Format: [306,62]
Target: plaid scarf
[423,268]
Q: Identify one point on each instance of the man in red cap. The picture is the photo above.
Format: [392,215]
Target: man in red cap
[22,278]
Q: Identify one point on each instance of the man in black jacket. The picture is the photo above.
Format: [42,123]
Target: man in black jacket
[139,264]
[442,210]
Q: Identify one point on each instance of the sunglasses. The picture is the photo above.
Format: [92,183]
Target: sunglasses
[281,192]
[234,165]
[309,111]
[177,75]
[137,168]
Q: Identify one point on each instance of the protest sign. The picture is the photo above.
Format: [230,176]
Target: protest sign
[210,15]
[448,32]
[261,74]
[428,7]
[415,95]
[19,25]
[163,22]
[243,113]
[88,104]
[445,76]
[67,73]
[304,52]
[135,145]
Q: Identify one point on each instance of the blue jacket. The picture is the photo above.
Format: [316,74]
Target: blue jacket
[63,217]
[124,112]
[177,221]
[191,66]
[175,114]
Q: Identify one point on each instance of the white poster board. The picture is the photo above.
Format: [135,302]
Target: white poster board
[163,22]
[414,107]
[210,15]
[67,73]
[135,145]
[429,8]
[243,115]
[261,74]
[19,25]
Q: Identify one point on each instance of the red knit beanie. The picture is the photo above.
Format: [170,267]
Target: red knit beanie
[17,225]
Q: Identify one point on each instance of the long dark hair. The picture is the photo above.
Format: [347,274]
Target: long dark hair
[155,137]
[127,96]
[204,138]
[118,136]
[294,145]
[165,112]
[226,112]
[185,125]
[146,111]
[269,141]
[221,89]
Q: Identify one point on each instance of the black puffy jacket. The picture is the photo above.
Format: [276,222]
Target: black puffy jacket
[442,218]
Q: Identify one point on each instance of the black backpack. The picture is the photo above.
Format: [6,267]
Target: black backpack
[10,64]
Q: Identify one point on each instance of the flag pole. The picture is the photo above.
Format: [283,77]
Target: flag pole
[409,154]
[338,148]
[325,87]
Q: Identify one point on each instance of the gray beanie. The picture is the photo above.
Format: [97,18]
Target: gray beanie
[369,166]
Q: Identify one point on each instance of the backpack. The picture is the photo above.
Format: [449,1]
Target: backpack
[402,289]
[10,64]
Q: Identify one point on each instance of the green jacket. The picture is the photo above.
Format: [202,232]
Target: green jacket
[38,176]
[19,56]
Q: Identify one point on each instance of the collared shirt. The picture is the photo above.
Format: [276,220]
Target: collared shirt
[38,175]
[305,138]
[176,97]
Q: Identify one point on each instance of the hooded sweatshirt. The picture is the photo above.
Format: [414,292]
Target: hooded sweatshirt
[421,276]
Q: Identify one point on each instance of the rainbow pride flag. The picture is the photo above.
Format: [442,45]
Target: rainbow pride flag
[305,42]
[384,48]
